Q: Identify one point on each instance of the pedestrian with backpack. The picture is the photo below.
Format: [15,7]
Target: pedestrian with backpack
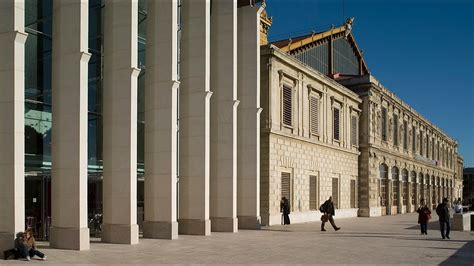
[328,212]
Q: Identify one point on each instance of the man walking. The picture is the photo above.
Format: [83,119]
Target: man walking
[285,209]
[328,209]
[443,213]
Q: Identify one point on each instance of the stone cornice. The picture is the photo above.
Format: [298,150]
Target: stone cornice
[392,98]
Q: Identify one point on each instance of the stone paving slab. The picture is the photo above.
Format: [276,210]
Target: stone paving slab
[379,240]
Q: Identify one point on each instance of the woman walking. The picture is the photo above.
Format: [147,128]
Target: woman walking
[424,215]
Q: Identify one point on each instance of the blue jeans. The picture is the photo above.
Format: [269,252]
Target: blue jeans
[424,228]
[441,227]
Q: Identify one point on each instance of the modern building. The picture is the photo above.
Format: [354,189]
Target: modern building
[316,133]
[468,184]
[107,119]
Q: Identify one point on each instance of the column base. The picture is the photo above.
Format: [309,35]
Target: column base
[160,230]
[194,227]
[224,224]
[249,222]
[370,212]
[69,238]
[7,241]
[120,233]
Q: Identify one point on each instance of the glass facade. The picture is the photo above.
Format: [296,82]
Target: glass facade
[345,60]
[38,118]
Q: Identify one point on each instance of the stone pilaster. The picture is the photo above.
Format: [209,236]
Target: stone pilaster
[120,121]
[69,134]
[161,113]
[248,131]
[223,176]
[12,132]
[194,119]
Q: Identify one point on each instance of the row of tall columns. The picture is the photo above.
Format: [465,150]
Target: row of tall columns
[223,188]
[12,93]
[70,59]
[161,111]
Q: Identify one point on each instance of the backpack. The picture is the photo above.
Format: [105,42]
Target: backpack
[322,208]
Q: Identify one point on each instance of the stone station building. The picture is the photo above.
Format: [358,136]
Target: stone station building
[329,128]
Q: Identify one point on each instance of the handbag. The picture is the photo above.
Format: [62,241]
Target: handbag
[324,218]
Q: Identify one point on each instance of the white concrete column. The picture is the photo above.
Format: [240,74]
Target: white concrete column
[120,121]
[69,134]
[12,125]
[161,107]
[223,177]
[194,119]
[248,130]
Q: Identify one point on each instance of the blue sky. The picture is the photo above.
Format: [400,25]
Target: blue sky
[422,50]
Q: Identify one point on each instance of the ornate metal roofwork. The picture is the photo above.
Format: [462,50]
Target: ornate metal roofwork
[331,52]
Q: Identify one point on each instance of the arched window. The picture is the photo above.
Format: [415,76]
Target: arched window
[383,184]
[434,194]
[396,185]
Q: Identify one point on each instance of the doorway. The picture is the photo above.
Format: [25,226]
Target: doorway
[38,205]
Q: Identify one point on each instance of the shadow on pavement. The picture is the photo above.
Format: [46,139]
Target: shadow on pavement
[464,256]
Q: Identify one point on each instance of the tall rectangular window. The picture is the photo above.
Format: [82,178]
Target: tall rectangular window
[335,192]
[313,192]
[384,124]
[353,194]
[421,143]
[336,124]
[286,186]
[413,139]
[314,114]
[405,135]
[395,130]
[395,190]
[405,192]
[432,149]
[287,106]
[354,139]
[427,147]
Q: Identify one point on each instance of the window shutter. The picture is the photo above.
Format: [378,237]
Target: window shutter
[395,130]
[336,123]
[353,193]
[314,114]
[354,140]
[313,193]
[384,124]
[285,186]
[335,192]
[287,106]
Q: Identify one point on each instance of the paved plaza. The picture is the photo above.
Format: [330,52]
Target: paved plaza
[380,240]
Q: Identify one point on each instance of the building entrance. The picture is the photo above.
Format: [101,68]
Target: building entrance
[38,205]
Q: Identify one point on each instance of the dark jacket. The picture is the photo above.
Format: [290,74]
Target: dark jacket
[329,207]
[443,212]
[285,206]
[424,215]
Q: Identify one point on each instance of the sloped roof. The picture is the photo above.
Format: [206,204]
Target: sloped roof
[297,44]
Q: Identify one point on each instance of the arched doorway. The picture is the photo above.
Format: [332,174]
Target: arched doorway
[383,169]
[413,191]
[404,189]
[396,204]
